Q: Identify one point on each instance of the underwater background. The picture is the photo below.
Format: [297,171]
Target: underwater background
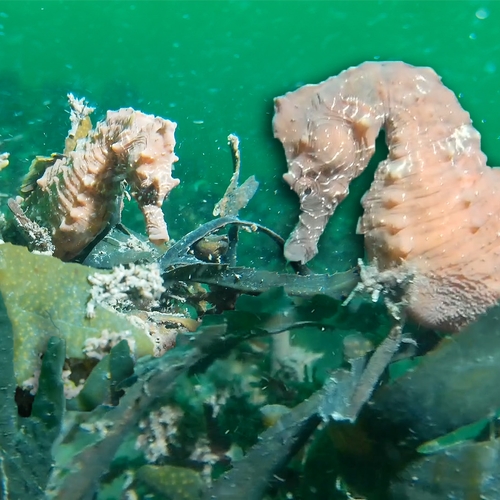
[214,67]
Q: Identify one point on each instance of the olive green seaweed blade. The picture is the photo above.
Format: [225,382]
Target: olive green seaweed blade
[45,297]
[8,415]
[26,443]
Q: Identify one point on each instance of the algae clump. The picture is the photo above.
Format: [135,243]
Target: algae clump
[45,297]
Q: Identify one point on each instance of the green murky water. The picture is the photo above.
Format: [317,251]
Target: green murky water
[214,68]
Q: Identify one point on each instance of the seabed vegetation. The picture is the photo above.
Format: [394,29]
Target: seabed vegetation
[141,368]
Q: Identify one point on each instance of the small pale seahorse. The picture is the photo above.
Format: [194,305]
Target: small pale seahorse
[432,213]
[74,195]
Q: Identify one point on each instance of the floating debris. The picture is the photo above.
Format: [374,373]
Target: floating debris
[4,160]
[236,197]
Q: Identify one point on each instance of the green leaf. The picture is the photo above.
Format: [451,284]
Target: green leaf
[8,415]
[102,385]
[49,402]
[465,433]
[121,367]
[95,390]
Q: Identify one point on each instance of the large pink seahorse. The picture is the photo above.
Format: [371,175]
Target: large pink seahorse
[432,213]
